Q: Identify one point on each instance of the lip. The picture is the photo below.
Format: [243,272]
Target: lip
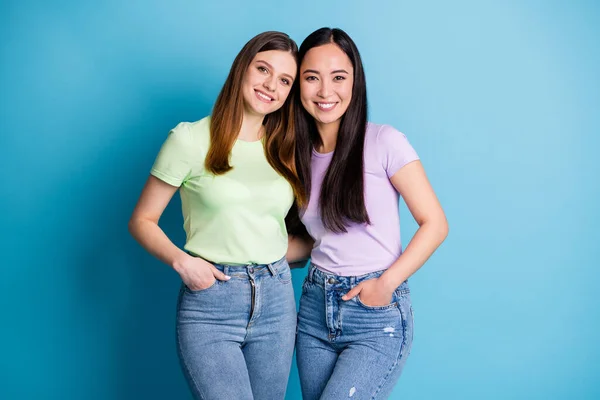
[335,103]
[259,97]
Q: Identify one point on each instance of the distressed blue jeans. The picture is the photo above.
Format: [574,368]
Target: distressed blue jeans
[235,340]
[346,349]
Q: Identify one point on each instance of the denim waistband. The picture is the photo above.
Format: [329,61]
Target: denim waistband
[332,281]
[245,269]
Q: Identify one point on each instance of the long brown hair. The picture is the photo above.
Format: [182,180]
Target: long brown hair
[227,115]
[342,200]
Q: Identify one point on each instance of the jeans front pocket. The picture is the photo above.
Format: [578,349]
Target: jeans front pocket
[390,306]
[214,285]
[283,273]
[210,288]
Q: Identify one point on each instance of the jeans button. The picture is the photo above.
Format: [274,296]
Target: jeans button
[251,270]
[331,281]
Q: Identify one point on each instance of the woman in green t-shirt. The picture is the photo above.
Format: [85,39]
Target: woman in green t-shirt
[235,171]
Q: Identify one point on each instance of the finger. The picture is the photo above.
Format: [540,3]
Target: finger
[219,275]
[352,293]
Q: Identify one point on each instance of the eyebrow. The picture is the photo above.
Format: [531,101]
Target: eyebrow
[271,67]
[337,71]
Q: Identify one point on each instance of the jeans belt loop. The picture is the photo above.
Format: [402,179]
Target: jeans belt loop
[271,268]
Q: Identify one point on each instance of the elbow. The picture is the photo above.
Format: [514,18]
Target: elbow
[133,226]
[139,223]
[438,228]
[442,229]
[446,230]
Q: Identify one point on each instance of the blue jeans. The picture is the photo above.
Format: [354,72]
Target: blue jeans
[236,339]
[346,349]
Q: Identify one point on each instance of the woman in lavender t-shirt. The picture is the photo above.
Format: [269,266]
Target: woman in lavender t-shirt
[355,322]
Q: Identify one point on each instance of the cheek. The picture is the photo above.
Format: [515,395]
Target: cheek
[347,92]
[305,95]
[251,78]
[306,103]
[283,92]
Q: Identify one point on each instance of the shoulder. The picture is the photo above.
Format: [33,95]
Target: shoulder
[199,128]
[192,132]
[382,134]
[384,138]
[190,137]
[391,147]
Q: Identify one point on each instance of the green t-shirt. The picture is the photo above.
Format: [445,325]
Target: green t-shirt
[234,218]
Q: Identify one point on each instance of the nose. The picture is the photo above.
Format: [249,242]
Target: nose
[269,84]
[324,90]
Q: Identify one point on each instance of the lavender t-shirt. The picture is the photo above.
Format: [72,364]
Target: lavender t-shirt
[364,248]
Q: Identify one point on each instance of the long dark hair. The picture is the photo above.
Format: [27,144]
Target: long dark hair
[342,199]
[227,115]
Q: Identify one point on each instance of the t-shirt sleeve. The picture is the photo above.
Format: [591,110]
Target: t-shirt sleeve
[175,159]
[395,149]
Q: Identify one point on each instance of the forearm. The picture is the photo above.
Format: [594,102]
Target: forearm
[299,249]
[425,241]
[152,238]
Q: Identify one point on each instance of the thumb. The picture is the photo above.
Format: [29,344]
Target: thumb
[352,293]
[219,275]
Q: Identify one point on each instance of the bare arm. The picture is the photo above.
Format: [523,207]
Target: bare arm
[412,184]
[143,226]
[299,248]
[300,243]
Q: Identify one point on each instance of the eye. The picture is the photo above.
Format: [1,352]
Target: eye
[311,78]
[339,78]
[262,69]
[285,81]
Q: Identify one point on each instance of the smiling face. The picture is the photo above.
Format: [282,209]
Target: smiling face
[327,78]
[268,81]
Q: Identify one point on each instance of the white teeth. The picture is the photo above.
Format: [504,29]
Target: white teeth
[264,96]
[326,105]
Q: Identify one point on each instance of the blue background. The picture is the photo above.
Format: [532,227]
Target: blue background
[500,99]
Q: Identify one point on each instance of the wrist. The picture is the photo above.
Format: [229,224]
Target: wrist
[180,262]
[388,282]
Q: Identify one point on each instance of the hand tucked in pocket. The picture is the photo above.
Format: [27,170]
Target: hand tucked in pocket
[372,293]
[198,274]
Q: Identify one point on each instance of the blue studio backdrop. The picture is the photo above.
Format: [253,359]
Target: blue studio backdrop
[500,99]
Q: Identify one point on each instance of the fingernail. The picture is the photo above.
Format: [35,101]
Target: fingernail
[227,277]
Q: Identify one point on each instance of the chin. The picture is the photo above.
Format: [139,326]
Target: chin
[328,119]
[264,109]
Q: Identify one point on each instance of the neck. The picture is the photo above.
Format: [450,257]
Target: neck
[329,134]
[252,127]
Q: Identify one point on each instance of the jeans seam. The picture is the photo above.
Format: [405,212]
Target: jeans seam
[185,365]
[398,357]
[305,284]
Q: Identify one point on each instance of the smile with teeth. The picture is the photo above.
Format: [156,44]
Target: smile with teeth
[326,106]
[263,97]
